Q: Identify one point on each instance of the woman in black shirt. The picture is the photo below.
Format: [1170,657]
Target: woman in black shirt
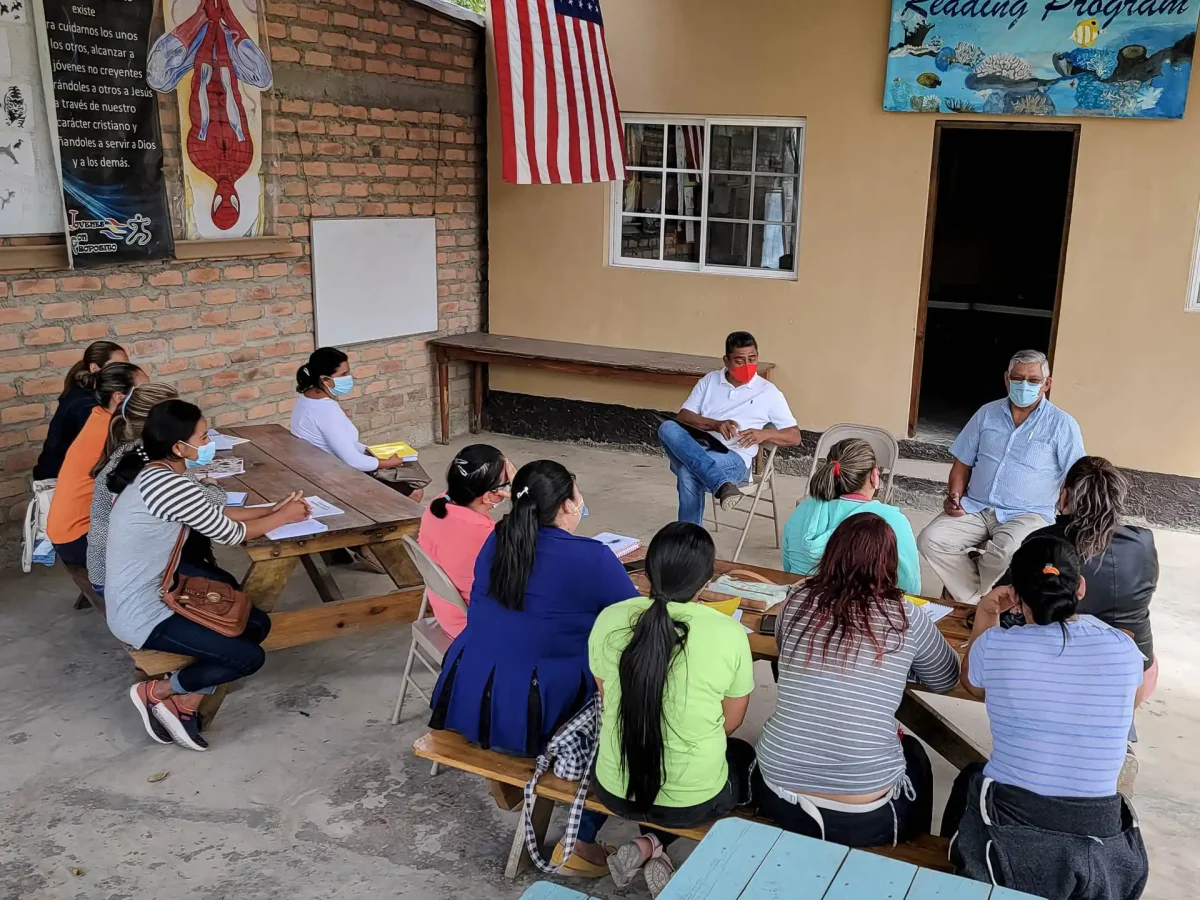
[75,404]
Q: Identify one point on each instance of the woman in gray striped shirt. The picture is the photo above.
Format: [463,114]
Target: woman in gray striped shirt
[830,762]
[156,501]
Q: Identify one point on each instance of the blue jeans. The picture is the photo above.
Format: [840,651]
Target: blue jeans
[698,471]
[217,659]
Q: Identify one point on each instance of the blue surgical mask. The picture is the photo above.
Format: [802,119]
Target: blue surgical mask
[342,385]
[1023,393]
[205,454]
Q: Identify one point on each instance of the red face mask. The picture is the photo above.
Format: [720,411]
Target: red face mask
[744,373]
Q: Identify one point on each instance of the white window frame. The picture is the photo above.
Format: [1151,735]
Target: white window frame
[618,198]
[1192,303]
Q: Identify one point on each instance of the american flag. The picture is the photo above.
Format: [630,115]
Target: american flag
[559,118]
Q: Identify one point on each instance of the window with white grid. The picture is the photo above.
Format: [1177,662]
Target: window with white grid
[709,195]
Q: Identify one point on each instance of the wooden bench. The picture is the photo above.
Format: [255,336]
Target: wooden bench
[87,594]
[481,349]
[507,776]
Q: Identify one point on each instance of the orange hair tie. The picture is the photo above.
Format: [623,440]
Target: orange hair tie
[1050,570]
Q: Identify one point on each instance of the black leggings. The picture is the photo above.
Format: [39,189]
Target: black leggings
[218,659]
[899,820]
[739,757]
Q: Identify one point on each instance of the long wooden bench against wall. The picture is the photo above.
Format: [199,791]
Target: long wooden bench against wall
[507,776]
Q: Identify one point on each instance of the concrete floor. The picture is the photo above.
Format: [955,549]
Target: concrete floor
[309,791]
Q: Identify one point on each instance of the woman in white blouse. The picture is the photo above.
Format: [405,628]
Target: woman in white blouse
[319,419]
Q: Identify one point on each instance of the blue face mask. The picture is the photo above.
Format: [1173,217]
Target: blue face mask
[342,385]
[583,512]
[1023,393]
[205,454]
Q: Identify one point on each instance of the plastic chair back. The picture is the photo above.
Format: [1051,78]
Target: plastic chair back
[434,576]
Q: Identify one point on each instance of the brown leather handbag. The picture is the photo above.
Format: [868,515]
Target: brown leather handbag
[213,604]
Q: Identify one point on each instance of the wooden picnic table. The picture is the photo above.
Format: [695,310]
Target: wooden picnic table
[374,519]
[742,860]
[481,349]
[915,713]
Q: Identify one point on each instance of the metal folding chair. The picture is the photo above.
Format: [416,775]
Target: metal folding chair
[885,445]
[429,642]
[755,487]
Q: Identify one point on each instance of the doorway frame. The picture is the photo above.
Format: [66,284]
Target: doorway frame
[939,127]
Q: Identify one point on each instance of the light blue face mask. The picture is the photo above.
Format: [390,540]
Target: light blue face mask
[583,512]
[205,454]
[1023,393]
[342,385]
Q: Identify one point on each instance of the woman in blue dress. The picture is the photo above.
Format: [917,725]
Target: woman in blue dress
[519,669]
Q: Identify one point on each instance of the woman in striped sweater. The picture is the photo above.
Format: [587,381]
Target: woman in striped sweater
[155,500]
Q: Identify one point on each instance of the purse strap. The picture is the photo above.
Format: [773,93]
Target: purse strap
[173,563]
[747,575]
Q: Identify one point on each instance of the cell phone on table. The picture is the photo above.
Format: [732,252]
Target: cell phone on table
[767,625]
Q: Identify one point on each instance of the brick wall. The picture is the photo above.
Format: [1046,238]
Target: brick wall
[376,111]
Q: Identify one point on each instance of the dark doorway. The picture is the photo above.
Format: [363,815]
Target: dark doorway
[996,240]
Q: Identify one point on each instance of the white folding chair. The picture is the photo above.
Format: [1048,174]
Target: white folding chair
[755,488]
[429,642]
[885,445]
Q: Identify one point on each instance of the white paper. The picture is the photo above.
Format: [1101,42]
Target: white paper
[235,498]
[937,611]
[737,617]
[322,509]
[619,544]
[223,441]
[13,10]
[297,529]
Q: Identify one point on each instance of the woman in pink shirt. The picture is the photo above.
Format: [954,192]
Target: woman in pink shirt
[457,523]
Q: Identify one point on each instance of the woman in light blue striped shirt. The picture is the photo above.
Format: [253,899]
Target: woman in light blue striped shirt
[1060,690]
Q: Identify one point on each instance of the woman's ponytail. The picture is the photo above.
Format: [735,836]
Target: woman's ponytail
[473,472]
[322,363]
[97,354]
[1046,573]
[844,471]
[167,424]
[538,492]
[679,562]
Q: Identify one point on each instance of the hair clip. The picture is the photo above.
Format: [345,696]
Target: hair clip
[141,452]
[522,492]
[837,469]
[1050,570]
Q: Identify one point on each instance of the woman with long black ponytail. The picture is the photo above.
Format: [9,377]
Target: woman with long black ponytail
[676,678]
[75,404]
[519,669]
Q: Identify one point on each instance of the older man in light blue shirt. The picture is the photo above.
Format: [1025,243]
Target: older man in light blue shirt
[1009,465]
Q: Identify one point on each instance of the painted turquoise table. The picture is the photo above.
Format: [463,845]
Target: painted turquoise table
[740,860]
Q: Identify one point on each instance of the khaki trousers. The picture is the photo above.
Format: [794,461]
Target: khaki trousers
[970,553]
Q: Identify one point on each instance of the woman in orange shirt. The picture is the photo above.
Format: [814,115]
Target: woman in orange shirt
[70,510]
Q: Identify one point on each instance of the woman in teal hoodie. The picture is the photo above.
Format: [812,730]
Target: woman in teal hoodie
[843,485]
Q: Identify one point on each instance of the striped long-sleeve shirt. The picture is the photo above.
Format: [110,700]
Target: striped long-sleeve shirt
[143,528]
[102,504]
[834,726]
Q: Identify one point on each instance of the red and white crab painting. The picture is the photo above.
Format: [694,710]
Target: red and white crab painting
[210,55]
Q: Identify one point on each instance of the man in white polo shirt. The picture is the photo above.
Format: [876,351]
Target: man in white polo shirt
[734,405]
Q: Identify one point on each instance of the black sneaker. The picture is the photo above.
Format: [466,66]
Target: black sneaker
[145,703]
[729,495]
[182,723]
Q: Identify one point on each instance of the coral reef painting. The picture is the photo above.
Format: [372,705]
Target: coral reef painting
[1122,58]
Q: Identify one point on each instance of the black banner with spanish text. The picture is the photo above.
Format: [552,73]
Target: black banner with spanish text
[94,56]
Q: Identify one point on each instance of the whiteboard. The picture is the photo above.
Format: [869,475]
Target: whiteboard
[373,279]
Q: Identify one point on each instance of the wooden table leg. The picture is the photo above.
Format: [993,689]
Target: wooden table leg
[443,368]
[265,581]
[476,397]
[322,579]
[518,858]
[396,562]
[938,732]
[264,584]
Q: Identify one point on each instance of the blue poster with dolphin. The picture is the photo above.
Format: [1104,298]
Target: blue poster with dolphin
[1125,58]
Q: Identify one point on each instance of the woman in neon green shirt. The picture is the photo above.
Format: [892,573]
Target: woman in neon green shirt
[676,678]
[844,485]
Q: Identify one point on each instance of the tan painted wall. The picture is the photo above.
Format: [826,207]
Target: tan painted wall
[1128,356]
